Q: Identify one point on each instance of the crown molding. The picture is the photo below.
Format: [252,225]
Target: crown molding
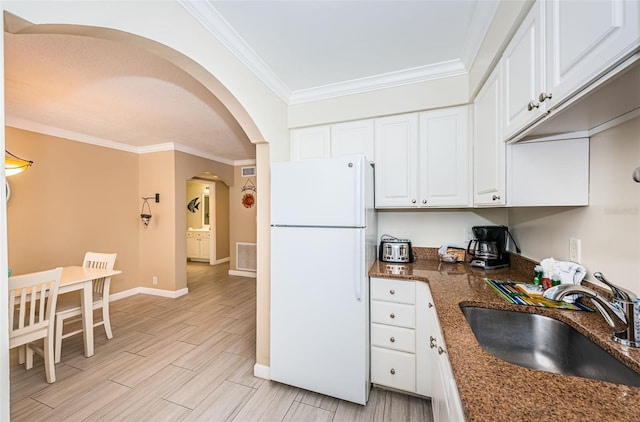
[208,16]
[36,127]
[32,126]
[205,13]
[386,80]
[478,27]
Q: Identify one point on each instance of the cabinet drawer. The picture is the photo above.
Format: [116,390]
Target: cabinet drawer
[396,338]
[399,291]
[393,369]
[397,314]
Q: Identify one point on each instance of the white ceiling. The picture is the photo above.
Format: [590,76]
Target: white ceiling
[108,93]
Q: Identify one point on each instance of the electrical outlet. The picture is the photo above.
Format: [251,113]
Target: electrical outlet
[575,250]
[154,280]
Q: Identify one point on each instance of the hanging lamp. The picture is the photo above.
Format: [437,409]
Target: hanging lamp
[14,164]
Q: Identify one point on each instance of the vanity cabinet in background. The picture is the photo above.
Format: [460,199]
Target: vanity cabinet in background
[198,245]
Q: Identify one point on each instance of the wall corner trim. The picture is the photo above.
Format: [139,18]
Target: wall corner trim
[262,371]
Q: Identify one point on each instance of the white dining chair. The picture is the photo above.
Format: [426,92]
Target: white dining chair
[32,305]
[69,307]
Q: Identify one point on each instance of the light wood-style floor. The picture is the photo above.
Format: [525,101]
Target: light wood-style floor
[185,359]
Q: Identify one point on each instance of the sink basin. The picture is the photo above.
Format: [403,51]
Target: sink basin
[543,343]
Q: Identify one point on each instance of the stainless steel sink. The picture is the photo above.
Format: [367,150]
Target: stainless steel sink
[546,344]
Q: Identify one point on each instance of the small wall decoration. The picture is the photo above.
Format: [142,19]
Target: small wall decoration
[248,199]
[194,204]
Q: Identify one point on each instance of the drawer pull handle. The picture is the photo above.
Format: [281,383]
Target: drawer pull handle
[392,339]
[393,292]
[393,371]
[440,350]
[392,316]
[432,342]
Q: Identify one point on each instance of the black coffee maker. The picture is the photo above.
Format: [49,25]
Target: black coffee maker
[489,248]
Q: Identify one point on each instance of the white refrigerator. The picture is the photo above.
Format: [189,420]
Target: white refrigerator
[323,242]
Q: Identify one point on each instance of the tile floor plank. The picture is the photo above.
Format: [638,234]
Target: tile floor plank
[189,358]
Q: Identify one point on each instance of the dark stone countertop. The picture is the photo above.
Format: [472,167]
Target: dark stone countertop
[495,390]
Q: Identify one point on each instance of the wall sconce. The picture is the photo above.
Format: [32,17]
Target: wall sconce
[146,216]
[14,164]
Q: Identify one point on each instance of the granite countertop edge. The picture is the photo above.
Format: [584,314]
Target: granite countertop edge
[493,389]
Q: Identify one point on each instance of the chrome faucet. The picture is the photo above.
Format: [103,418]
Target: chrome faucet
[618,313]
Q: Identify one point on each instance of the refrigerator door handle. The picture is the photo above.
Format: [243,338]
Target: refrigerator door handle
[357,276]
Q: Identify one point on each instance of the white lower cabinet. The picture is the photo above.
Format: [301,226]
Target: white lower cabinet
[198,245]
[407,347]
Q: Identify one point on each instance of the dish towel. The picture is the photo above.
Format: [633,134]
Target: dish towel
[569,272]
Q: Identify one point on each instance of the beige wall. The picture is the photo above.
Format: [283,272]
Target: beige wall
[222,221]
[242,221]
[75,198]
[609,227]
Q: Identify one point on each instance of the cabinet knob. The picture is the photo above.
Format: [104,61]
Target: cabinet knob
[495,197]
[430,305]
[532,105]
[424,201]
[392,316]
[393,292]
[544,96]
[413,201]
[432,342]
[393,371]
[440,350]
[392,339]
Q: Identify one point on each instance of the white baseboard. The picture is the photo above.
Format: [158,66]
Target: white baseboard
[148,291]
[221,261]
[122,295]
[262,371]
[251,274]
[164,293]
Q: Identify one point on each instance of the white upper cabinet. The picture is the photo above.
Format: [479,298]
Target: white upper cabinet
[310,142]
[333,140]
[523,74]
[489,167]
[562,48]
[548,173]
[444,167]
[353,138]
[423,159]
[585,39]
[396,149]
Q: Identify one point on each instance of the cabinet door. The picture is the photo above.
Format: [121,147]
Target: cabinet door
[554,173]
[205,246]
[523,74]
[489,150]
[580,49]
[310,142]
[193,247]
[396,149]
[444,157]
[353,138]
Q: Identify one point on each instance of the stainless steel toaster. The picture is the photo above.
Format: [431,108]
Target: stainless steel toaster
[393,249]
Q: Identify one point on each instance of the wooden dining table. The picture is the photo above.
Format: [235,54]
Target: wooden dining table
[77,277]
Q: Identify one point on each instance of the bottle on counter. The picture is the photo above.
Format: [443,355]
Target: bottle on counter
[537,275]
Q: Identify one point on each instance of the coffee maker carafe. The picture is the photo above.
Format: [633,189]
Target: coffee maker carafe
[489,248]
